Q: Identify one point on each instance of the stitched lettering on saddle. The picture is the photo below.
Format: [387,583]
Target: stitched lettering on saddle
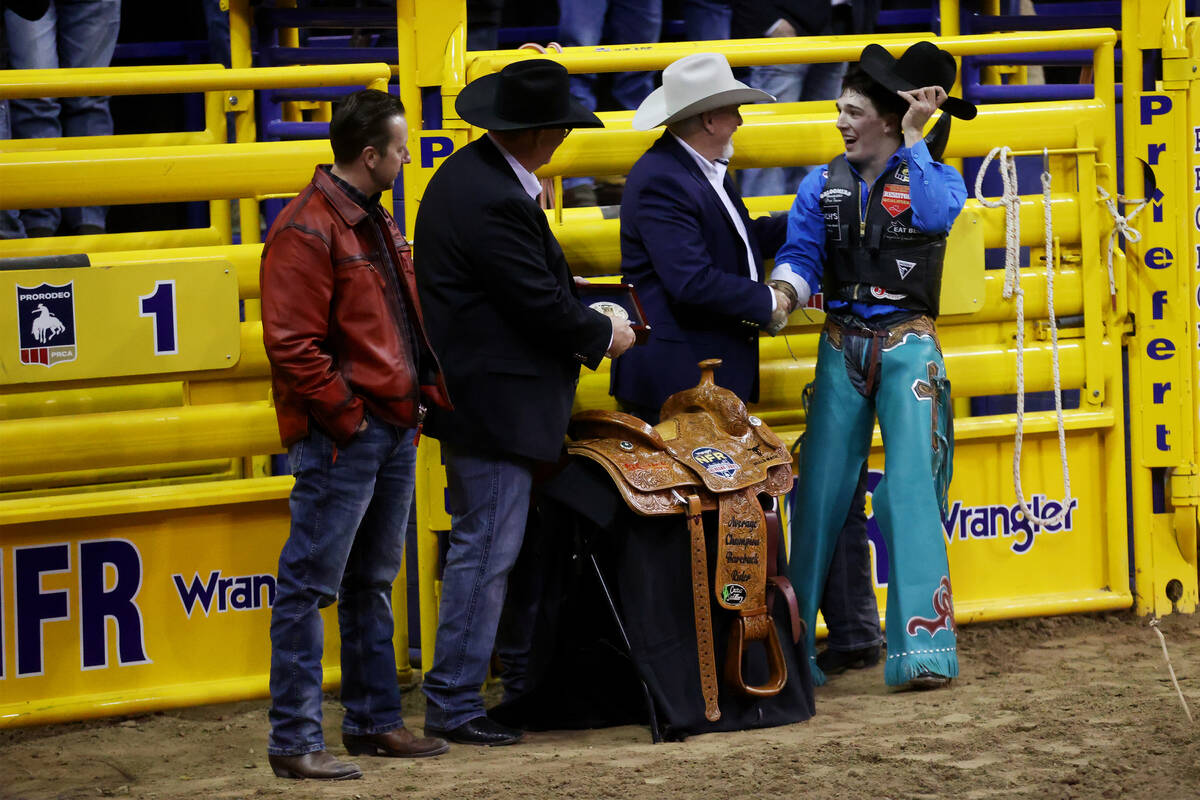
[943,606]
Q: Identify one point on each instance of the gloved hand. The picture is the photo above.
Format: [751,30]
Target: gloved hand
[785,303]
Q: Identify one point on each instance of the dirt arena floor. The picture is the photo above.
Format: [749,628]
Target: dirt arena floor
[1065,707]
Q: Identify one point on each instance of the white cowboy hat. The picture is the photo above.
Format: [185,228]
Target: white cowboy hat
[694,84]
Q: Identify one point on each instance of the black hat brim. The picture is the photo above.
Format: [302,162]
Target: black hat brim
[476,104]
[877,62]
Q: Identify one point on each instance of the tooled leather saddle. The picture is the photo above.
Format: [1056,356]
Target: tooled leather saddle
[708,453]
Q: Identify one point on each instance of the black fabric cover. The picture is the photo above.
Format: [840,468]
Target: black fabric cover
[580,673]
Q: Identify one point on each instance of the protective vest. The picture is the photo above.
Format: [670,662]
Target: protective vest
[882,259]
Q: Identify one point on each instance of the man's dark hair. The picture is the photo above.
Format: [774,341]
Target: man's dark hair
[885,100]
[361,120]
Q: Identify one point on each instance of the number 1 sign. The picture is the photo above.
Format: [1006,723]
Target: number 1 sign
[101,322]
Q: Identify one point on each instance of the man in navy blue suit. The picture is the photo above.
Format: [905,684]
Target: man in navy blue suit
[689,246]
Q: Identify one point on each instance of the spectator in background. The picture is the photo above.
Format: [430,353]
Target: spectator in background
[10,219]
[587,23]
[71,33]
[796,82]
[706,20]
[483,24]
[216,20]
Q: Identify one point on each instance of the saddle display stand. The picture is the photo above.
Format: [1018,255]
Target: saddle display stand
[708,453]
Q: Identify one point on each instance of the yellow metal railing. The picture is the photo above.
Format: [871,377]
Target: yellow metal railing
[1079,137]
[163,167]
[190,421]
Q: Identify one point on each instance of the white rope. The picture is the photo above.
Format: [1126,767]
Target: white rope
[1011,201]
[1167,657]
[1120,226]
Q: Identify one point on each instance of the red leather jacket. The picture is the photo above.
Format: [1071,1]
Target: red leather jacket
[332,319]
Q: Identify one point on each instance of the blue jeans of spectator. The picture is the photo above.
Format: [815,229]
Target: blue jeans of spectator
[10,219]
[848,604]
[790,83]
[349,509]
[488,498]
[706,20]
[217,23]
[72,33]
[587,23]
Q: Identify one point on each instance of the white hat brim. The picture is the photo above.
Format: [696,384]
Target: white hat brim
[654,112]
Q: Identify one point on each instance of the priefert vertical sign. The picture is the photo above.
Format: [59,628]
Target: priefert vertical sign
[1161,311]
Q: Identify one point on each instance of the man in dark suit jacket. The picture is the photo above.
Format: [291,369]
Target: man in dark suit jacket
[504,317]
[688,245]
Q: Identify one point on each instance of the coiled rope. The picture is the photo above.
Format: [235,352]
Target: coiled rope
[1011,201]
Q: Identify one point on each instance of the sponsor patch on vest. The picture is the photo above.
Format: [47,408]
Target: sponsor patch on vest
[733,594]
[46,323]
[833,223]
[897,229]
[905,267]
[895,198]
[880,293]
[902,172]
[834,194]
[717,462]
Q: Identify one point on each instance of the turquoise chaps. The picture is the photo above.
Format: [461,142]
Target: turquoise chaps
[894,371]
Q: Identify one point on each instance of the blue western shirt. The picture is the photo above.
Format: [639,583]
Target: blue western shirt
[937,193]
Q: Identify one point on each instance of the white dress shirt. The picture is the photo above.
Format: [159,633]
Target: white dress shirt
[531,183]
[714,171]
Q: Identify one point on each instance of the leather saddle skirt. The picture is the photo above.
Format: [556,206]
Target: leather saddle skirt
[708,453]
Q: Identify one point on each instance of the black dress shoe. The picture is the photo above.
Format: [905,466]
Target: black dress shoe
[398,743]
[835,662]
[481,730]
[319,765]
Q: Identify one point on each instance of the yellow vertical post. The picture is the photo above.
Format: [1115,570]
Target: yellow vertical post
[991,73]
[422,60]
[1185,483]
[245,129]
[950,18]
[289,37]
[1161,349]
[1091,175]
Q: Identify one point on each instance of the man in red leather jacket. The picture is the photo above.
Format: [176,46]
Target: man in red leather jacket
[352,373]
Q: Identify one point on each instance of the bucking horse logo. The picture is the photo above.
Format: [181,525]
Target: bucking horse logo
[45,325]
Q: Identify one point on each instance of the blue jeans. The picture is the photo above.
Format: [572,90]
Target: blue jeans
[790,83]
[706,20]
[349,512]
[488,498]
[587,23]
[10,219]
[848,603]
[72,33]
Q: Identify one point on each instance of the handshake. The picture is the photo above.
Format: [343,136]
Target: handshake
[785,303]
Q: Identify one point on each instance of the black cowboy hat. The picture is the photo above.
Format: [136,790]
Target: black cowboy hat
[923,64]
[535,93]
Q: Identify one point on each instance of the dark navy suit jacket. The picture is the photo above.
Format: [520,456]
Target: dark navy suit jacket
[681,251]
